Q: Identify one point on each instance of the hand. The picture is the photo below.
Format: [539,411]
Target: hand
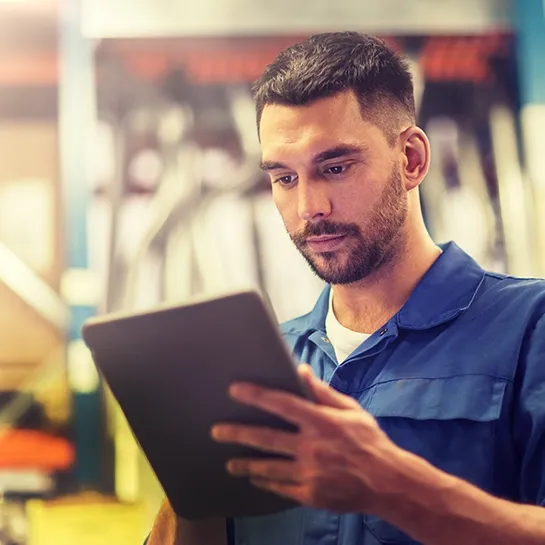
[340,459]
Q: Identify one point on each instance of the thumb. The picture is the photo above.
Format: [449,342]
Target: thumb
[323,394]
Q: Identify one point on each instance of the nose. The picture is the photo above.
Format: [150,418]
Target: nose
[313,202]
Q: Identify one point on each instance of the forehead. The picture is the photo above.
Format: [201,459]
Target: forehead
[294,130]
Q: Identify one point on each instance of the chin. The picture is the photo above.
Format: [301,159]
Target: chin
[334,274]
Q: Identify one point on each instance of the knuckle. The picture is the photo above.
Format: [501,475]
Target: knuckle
[243,466]
[238,435]
[258,470]
[254,469]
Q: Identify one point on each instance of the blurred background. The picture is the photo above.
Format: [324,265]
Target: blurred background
[129,176]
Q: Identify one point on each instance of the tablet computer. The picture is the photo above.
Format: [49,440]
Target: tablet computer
[169,370]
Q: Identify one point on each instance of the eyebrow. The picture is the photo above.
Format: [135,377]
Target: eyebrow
[332,153]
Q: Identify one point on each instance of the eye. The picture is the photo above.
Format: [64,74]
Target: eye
[338,170]
[285,180]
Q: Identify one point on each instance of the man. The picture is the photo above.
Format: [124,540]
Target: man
[429,372]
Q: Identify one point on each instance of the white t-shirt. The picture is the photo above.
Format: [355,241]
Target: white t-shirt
[343,340]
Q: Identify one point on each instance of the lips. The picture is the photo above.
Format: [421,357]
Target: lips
[326,243]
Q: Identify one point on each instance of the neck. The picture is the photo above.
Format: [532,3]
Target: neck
[368,304]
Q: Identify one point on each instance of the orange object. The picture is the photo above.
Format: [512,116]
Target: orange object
[30,449]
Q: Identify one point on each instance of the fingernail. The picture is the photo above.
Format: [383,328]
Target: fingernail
[216,432]
[237,390]
[234,389]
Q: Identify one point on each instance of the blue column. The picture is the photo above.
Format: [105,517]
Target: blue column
[76,116]
[530,29]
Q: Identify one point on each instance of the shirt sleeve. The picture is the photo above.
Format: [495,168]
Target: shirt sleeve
[529,416]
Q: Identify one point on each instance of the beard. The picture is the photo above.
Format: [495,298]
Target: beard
[365,250]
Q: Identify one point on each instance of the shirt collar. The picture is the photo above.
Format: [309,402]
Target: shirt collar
[447,289]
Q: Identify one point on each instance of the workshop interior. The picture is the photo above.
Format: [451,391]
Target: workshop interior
[130,177]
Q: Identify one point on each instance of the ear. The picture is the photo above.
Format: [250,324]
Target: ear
[416,156]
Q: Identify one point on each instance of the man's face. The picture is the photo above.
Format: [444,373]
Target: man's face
[337,185]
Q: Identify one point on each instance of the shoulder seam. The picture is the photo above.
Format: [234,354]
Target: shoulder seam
[502,276]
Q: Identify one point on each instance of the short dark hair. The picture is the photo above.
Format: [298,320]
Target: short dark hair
[330,63]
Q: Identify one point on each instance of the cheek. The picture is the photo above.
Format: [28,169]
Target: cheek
[352,204]
[357,198]
[286,205]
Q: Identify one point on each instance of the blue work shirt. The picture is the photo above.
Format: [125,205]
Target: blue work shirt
[457,377]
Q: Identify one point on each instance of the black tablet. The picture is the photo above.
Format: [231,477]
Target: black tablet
[169,369]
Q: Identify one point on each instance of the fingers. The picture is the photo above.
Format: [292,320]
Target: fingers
[265,439]
[286,406]
[293,409]
[324,394]
[284,471]
[292,491]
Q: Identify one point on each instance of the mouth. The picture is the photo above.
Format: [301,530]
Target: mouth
[325,243]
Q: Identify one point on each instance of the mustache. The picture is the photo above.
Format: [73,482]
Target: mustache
[325,228]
